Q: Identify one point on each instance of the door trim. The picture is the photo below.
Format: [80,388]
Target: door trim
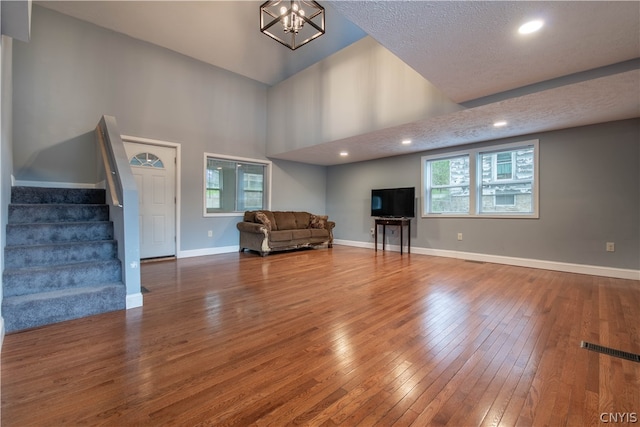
[177,147]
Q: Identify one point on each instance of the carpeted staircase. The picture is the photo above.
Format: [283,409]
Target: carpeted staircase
[60,260]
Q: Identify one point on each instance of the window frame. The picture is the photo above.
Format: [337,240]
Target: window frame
[427,179]
[266,184]
[475,181]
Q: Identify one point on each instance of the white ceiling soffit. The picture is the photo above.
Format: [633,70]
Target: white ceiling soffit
[471,49]
[222,33]
[603,99]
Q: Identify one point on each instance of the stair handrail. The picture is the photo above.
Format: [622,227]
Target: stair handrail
[122,191]
[110,173]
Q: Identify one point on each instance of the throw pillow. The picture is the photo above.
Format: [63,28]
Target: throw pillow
[262,218]
[318,221]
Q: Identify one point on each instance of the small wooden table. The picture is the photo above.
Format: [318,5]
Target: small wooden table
[402,222]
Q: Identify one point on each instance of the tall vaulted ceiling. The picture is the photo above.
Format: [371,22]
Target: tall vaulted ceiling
[583,67]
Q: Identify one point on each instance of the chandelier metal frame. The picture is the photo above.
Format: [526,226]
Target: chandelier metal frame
[292,15]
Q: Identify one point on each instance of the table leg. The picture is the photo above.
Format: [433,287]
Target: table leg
[384,234]
[376,236]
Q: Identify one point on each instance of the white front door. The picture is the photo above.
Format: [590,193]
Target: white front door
[154,168]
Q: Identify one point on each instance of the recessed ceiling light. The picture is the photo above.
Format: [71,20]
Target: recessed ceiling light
[531,26]
[344,153]
[500,123]
[406,142]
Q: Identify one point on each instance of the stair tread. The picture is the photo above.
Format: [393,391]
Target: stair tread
[56,204]
[19,234]
[20,270]
[21,213]
[56,223]
[67,243]
[28,194]
[62,292]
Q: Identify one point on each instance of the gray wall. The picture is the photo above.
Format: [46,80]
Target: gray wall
[16,19]
[589,194]
[73,72]
[299,186]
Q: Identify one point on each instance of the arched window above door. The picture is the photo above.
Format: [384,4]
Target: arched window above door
[146,159]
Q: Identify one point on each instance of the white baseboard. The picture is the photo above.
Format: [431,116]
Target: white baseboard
[53,184]
[592,270]
[134,300]
[208,251]
[366,245]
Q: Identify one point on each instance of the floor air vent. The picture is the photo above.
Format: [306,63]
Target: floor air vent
[611,351]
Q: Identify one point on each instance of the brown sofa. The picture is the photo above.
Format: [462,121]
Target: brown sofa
[270,231]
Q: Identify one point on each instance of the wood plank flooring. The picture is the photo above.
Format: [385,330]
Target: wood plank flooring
[343,336]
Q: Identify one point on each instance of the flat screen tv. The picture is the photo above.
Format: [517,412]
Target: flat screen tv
[393,202]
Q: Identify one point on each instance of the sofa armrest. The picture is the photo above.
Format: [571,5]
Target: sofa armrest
[254,236]
[252,227]
[329,226]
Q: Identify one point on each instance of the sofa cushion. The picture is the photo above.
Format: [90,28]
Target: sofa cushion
[302,219]
[318,221]
[304,233]
[319,232]
[281,236]
[285,220]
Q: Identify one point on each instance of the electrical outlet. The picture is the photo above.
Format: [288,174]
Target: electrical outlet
[373,231]
[611,247]
[459,236]
[210,233]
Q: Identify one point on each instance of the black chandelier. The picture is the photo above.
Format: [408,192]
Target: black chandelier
[292,22]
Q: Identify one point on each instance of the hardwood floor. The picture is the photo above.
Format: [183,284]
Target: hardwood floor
[341,336]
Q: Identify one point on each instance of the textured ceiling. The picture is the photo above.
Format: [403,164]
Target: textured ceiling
[471,49]
[581,69]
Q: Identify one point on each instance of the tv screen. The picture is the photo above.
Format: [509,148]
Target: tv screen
[393,202]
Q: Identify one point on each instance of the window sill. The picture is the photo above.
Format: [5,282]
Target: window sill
[223,214]
[493,216]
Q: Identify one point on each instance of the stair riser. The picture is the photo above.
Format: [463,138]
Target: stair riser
[51,255]
[35,280]
[22,214]
[37,234]
[28,312]
[91,196]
